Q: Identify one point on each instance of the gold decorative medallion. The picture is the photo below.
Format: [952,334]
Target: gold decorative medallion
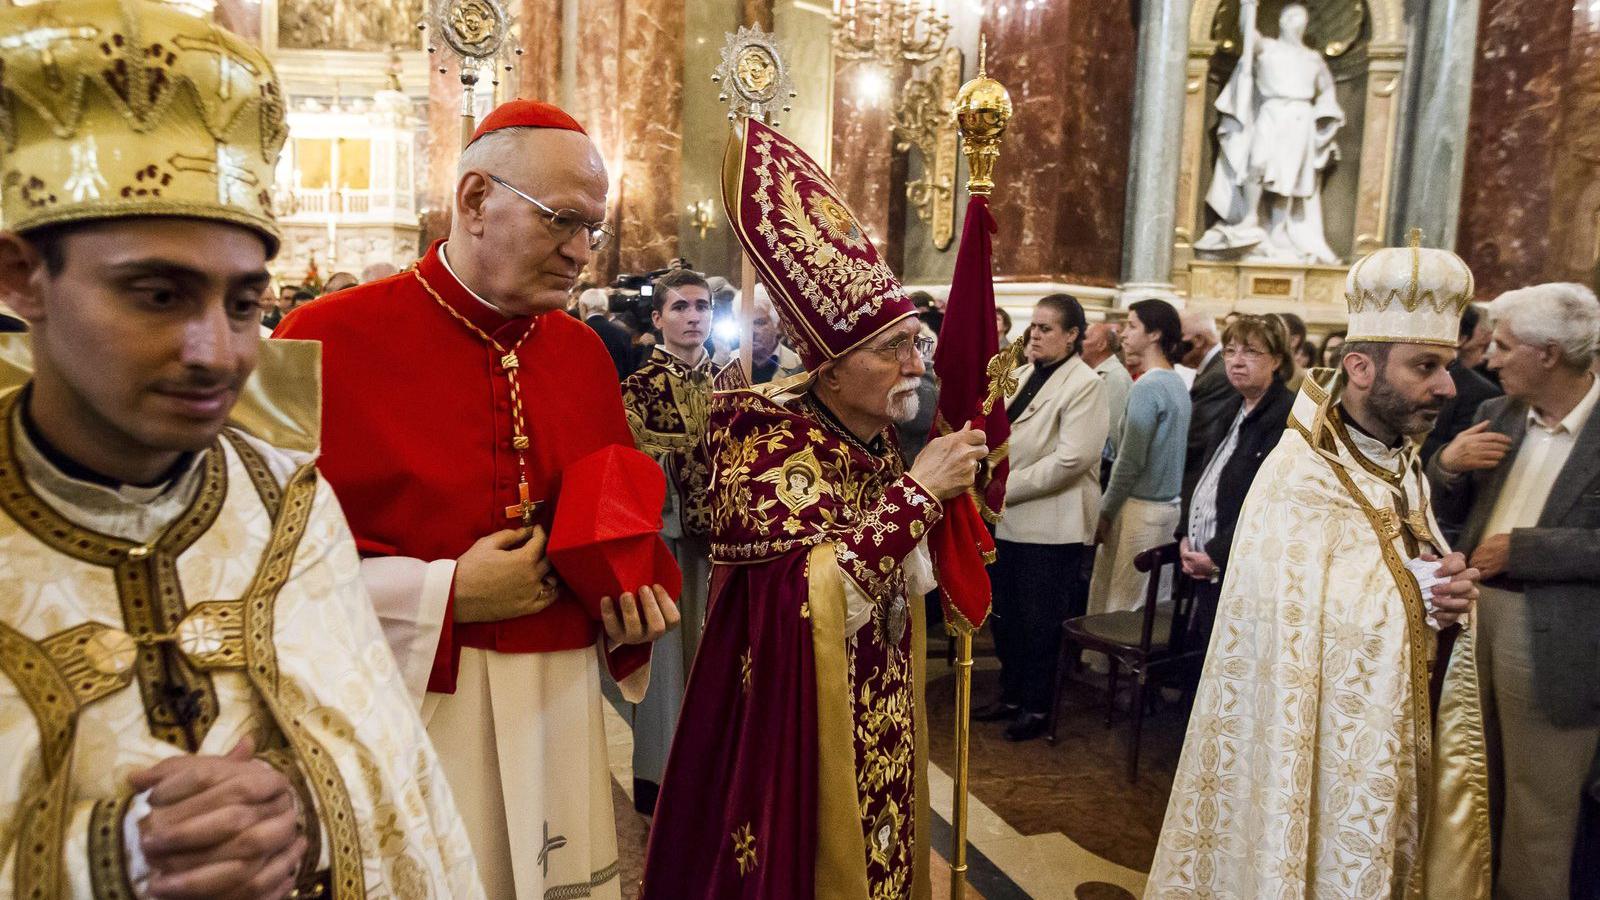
[473,28]
[798,482]
[110,652]
[754,77]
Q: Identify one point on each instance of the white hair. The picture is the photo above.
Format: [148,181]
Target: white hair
[594,302]
[1195,320]
[762,301]
[487,152]
[1561,313]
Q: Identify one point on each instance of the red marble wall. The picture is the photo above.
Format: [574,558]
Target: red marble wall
[539,67]
[242,17]
[1532,185]
[863,164]
[1061,182]
[629,97]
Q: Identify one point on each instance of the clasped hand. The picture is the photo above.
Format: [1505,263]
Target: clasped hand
[948,465]
[1455,597]
[220,827]
[507,575]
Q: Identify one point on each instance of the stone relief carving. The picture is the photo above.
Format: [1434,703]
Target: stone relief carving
[372,25]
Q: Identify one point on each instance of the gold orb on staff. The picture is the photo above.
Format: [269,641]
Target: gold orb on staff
[983,110]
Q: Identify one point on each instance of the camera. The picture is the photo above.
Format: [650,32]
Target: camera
[630,296]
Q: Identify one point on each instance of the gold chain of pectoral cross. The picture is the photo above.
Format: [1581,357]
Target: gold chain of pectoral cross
[525,506]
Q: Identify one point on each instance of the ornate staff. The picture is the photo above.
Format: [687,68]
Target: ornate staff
[475,31]
[975,377]
[755,84]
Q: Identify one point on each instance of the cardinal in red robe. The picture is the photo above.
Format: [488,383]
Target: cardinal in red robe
[455,394]
[799,766]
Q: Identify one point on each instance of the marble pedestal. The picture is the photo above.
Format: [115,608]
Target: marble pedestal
[1313,292]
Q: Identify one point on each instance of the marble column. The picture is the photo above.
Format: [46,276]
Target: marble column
[629,96]
[863,164]
[444,145]
[1523,83]
[539,66]
[1428,183]
[1151,218]
[1063,173]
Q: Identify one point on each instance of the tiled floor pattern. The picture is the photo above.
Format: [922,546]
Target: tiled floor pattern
[1049,822]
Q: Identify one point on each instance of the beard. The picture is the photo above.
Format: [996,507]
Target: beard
[1400,413]
[904,404]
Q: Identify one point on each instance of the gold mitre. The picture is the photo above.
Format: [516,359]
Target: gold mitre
[112,108]
[1408,295]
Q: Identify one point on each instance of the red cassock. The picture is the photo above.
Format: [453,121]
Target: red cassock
[417,435]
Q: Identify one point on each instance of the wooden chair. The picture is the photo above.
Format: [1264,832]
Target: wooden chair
[1150,641]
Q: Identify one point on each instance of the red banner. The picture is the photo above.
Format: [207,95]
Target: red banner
[973,379]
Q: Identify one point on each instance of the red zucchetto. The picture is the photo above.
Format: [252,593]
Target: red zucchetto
[526,114]
[605,540]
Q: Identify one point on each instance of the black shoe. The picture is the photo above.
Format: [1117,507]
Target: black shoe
[996,712]
[1027,727]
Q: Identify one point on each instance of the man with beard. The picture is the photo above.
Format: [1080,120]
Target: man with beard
[195,696]
[1311,765]
[667,400]
[799,767]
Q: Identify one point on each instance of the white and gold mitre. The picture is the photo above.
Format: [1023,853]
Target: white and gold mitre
[112,108]
[1408,295]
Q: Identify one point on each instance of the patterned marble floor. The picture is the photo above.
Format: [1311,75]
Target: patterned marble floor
[1050,822]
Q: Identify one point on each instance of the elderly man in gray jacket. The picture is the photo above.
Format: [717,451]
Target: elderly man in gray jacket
[1525,478]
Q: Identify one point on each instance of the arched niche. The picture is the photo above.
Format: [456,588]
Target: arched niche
[1385,49]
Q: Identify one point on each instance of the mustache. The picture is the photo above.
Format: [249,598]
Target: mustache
[906,385]
[201,381]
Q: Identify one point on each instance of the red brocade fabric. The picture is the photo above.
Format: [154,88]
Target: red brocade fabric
[972,388]
[738,811]
[824,274]
[416,435]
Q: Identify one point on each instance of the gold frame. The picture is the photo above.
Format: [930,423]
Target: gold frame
[923,119]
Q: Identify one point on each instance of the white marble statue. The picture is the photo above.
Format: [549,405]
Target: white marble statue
[1278,120]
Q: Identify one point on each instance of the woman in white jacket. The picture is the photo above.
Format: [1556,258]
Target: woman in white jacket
[1059,420]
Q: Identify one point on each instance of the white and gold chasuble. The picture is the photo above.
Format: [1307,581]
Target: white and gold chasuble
[1310,767]
[135,628]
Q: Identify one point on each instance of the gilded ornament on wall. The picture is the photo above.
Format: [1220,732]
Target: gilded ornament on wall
[372,25]
[924,119]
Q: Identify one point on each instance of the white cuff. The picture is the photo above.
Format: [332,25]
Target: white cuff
[138,869]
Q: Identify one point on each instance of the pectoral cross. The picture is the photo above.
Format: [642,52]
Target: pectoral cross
[525,506]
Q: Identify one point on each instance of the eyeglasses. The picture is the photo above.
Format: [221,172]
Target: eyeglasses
[905,347]
[564,223]
[1250,354]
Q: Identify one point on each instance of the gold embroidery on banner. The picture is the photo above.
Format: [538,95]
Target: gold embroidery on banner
[744,849]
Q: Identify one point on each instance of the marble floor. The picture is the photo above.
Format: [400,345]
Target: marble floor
[1059,822]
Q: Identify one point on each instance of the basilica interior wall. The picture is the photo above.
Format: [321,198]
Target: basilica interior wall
[1531,201]
[1070,70]
[636,72]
